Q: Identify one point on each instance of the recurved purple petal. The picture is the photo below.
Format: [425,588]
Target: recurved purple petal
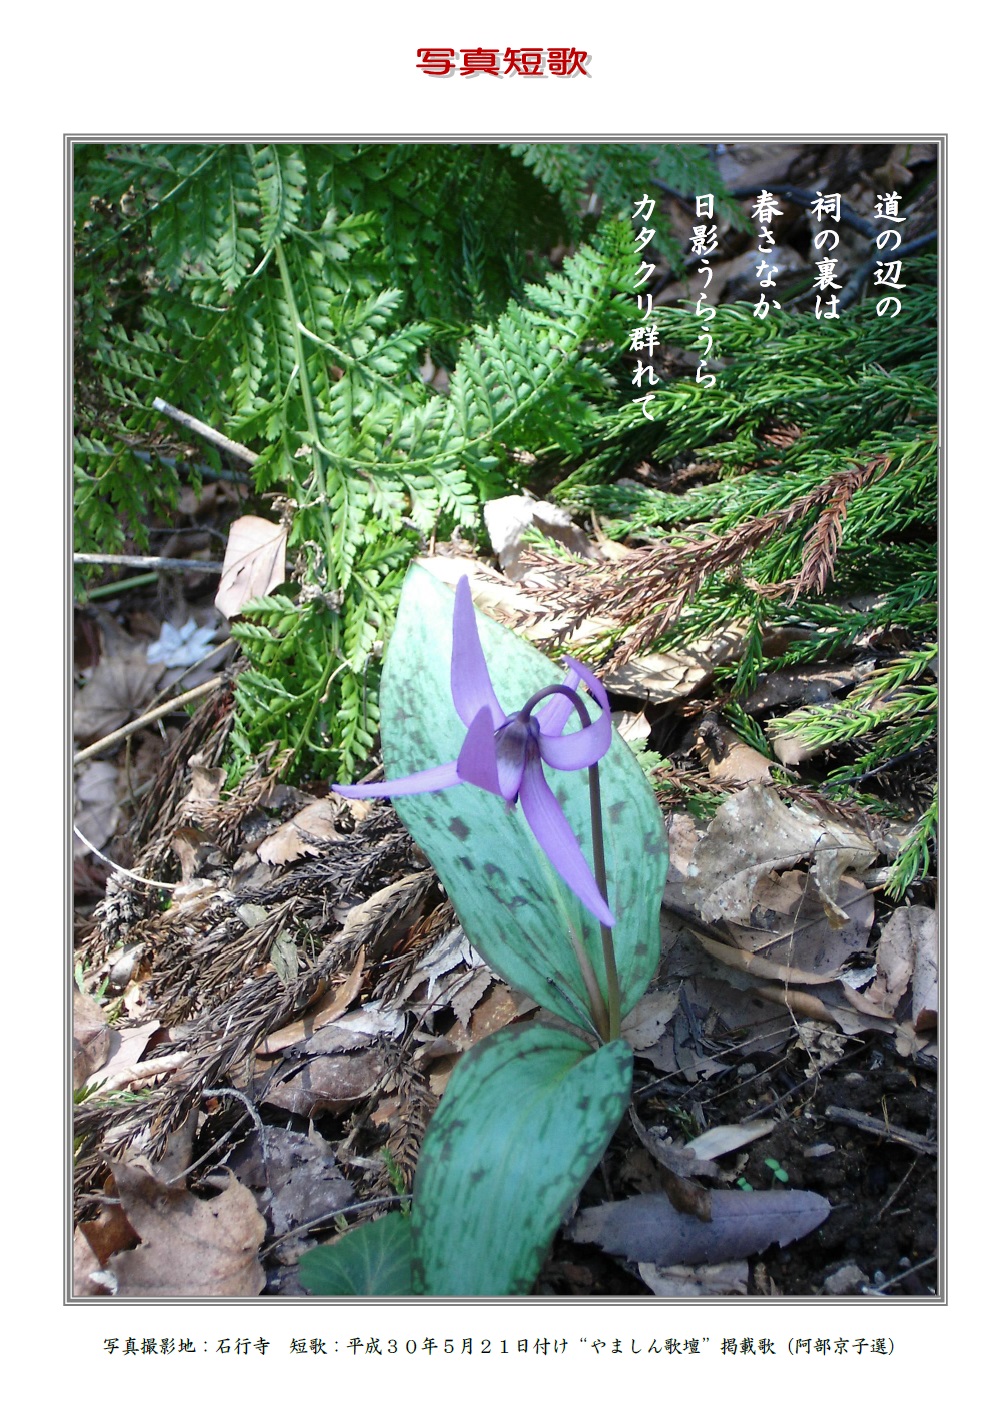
[558,709]
[427,781]
[477,760]
[470,679]
[556,838]
[589,677]
[581,747]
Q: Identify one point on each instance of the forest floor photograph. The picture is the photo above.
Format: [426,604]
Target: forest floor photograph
[505,687]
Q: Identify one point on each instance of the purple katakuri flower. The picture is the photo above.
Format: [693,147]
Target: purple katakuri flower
[504,753]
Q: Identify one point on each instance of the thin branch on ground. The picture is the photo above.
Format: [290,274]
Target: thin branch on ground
[250,1110]
[200,428]
[874,1126]
[151,717]
[147,562]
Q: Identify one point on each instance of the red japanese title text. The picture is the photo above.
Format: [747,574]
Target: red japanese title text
[528,62]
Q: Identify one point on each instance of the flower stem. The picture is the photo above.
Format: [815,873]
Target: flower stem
[595,997]
[608,950]
[598,854]
[599,1010]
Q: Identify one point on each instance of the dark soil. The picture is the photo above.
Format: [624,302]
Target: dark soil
[884,1194]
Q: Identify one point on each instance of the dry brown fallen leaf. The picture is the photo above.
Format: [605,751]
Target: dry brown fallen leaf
[89,1279]
[743,960]
[683,837]
[682,1163]
[907,956]
[189,1247]
[95,1241]
[792,750]
[308,834]
[328,1007]
[894,961]
[332,1082]
[498,1007]
[755,832]
[925,978]
[792,928]
[123,1061]
[253,563]
[119,689]
[803,685]
[468,992]
[92,1038]
[740,764]
[646,1023]
[203,796]
[663,676]
[133,1077]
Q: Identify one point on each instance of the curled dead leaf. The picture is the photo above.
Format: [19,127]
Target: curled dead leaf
[649,1228]
[253,563]
[754,832]
[308,834]
[744,960]
[331,1005]
[895,956]
[925,975]
[330,1082]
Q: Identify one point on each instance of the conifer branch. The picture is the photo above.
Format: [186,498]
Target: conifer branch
[823,541]
[648,590]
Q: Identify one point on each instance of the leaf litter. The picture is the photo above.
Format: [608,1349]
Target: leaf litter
[768,923]
[753,833]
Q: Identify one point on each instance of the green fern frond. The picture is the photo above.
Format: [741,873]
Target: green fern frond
[286,295]
[281,176]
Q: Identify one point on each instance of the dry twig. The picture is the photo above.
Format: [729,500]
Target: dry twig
[151,717]
[233,449]
[876,1127]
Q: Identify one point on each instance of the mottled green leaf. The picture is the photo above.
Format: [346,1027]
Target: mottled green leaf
[525,1118]
[503,889]
[375,1258]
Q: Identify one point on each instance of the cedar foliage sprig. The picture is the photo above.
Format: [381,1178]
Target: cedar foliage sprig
[822,441]
[914,859]
[890,707]
[807,504]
